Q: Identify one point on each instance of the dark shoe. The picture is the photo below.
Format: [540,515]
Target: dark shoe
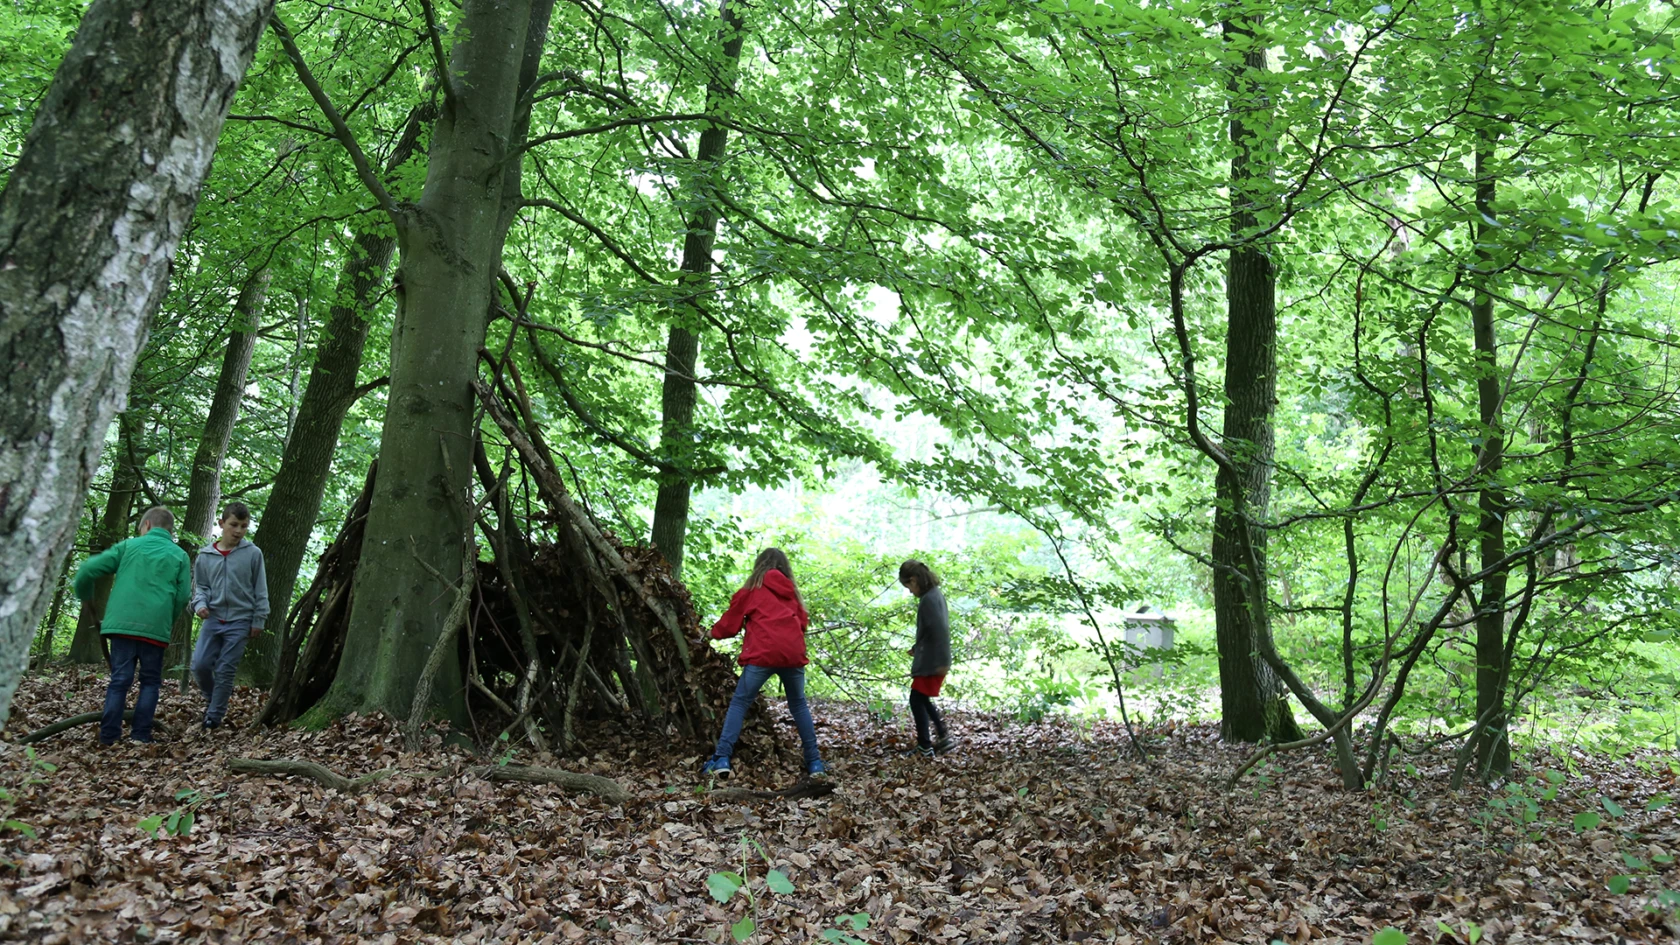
[208,725]
[717,768]
[945,744]
[817,769]
[918,751]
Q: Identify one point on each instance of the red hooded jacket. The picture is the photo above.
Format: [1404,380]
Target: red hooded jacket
[775,622]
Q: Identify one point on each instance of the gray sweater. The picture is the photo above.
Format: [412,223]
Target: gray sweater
[931,656]
[234,586]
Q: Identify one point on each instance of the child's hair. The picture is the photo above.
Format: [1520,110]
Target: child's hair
[925,578]
[159,517]
[772,559]
[238,511]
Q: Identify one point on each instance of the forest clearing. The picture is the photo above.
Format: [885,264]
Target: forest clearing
[1029,833]
[854,471]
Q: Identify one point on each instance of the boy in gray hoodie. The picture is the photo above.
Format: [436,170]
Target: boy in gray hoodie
[230,594]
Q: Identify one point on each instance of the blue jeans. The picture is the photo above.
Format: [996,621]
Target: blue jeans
[215,660]
[126,652]
[752,680]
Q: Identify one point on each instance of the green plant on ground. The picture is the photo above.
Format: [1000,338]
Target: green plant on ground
[725,885]
[1469,933]
[8,797]
[178,822]
[1520,804]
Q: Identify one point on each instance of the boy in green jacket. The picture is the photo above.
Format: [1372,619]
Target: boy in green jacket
[153,583]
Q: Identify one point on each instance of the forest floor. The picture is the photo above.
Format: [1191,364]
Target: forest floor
[1026,833]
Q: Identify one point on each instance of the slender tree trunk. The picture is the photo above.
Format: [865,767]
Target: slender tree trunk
[49,629]
[1493,748]
[112,528]
[682,347]
[90,218]
[1253,700]
[204,489]
[451,244]
[294,502]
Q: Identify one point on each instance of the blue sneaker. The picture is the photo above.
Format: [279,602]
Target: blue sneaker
[717,768]
[817,769]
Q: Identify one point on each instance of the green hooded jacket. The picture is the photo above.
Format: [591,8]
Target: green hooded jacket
[153,584]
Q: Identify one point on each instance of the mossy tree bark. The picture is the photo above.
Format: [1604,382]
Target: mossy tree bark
[450,243]
[90,219]
[294,502]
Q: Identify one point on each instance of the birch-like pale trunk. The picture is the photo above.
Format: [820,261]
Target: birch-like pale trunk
[90,219]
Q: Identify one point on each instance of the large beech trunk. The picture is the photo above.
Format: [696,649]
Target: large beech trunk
[294,503]
[1252,698]
[682,347]
[450,243]
[107,182]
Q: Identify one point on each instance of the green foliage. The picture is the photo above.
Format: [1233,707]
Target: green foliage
[178,822]
[955,246]
[724,885]
[1470,933]
[33,773]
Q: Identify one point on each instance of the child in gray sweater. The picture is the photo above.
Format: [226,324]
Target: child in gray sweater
[230,594]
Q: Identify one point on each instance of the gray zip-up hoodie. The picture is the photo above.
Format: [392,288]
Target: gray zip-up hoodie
[234,586]
[931,656]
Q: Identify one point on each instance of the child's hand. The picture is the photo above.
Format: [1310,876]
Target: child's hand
[255,631]
[204,611]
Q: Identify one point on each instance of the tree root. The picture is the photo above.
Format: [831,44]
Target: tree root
[605,788]
[320,774]
[48,731]
[810,787]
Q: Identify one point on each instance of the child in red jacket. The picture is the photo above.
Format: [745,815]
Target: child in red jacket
[769,609]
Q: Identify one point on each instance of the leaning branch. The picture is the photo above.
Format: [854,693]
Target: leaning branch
[436,36]
[341,131]
[555,493]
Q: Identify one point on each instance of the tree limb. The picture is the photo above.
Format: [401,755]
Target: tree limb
[432,32]
[341,131]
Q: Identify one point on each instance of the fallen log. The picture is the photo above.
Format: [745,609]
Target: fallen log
[48,731]
[605,788]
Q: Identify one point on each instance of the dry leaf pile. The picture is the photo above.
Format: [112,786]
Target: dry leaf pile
[1026,834]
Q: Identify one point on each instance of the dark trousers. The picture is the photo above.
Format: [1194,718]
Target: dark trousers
[126,654]
[926,714]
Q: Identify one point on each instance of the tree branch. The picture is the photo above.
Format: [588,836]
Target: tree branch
[434,34]
[341,131]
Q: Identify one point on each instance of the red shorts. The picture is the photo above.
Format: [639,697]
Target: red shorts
[927,685]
